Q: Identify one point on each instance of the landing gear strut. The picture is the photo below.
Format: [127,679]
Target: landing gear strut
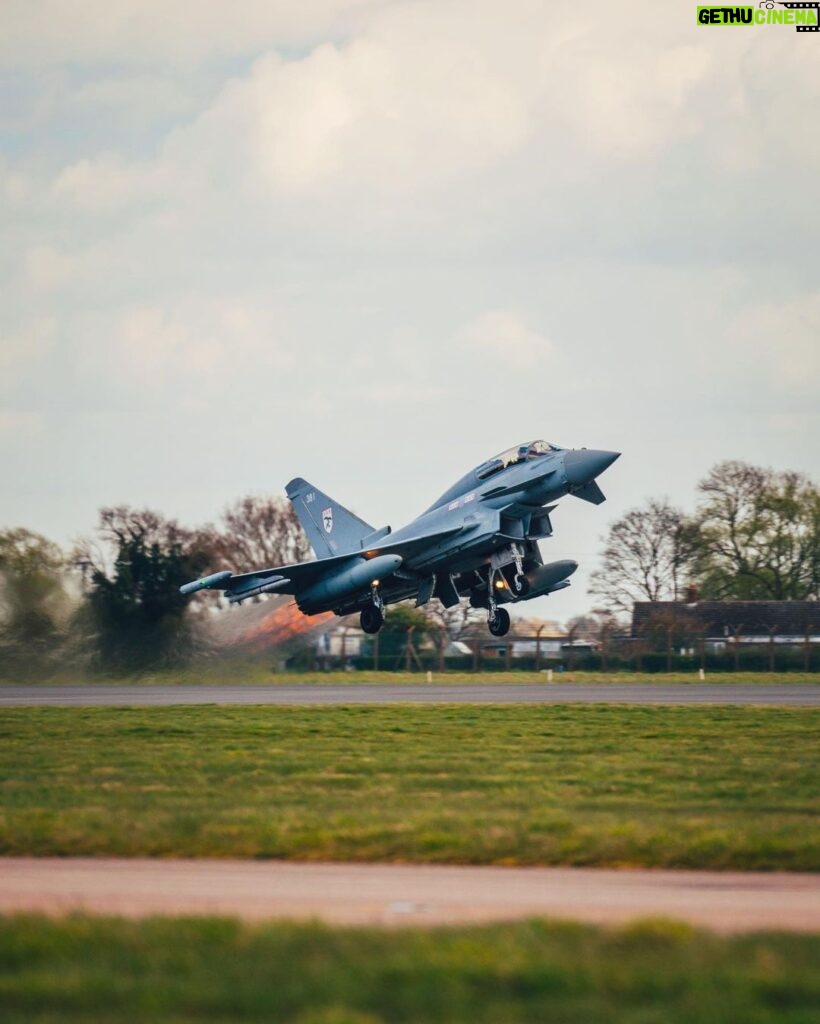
[520,583]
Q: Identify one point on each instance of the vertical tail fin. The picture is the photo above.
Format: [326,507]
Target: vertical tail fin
[330,527]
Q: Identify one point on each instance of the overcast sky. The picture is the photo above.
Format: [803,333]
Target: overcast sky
[373,243]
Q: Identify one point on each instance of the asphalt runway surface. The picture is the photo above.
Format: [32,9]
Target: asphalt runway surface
[804,695]
[403,894]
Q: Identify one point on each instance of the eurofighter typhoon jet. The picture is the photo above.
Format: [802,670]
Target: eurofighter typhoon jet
[478,541]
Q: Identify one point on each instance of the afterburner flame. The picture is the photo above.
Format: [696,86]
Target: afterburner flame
[282,624]
[267,624]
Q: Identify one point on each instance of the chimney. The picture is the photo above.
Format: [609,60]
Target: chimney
[692,593]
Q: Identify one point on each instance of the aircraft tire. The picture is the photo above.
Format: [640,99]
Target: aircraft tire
[371,619]
[500,625]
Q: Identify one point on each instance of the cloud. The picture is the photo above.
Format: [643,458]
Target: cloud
[777,345]
[26,347]
[367,115]
[46,269]
[179,32]
[14,185]
[14,426]
[555,131]
[427,95]
[503,336]
[107,182]
[137,97]
[195,348]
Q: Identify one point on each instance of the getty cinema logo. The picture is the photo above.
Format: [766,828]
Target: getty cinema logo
[804,16]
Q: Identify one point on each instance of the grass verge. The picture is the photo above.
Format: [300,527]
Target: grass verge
[164,970]
[712,787]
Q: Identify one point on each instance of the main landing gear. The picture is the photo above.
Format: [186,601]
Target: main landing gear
[498,621]
[371,619]
[372,615]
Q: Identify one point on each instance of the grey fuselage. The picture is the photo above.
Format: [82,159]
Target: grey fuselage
[486,519]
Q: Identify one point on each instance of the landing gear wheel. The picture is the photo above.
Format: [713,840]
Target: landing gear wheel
[520,585]
[371,619]
[499,624]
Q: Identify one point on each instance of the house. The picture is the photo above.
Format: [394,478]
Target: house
[535,638]
[341,639]
[721,623]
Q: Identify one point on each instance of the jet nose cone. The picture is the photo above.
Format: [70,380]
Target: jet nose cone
[584,465]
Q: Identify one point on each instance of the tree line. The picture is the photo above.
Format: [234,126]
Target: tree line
[112,602]
[754,535]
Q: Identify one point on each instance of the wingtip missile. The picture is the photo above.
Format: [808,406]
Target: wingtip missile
[206,583]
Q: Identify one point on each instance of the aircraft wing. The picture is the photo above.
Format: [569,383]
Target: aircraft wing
[291,579]
[283,579]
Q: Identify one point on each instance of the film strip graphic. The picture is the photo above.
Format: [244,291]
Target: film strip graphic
[799,7]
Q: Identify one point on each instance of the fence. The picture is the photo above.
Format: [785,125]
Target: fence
[625,657]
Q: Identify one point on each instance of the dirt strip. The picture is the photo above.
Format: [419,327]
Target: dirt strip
[390,894]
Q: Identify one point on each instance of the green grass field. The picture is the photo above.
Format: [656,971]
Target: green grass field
[175,970]
[697,787]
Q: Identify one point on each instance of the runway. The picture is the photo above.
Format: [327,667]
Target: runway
[389,894]
[305,694]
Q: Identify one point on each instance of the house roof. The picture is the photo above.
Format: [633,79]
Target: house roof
[723,618]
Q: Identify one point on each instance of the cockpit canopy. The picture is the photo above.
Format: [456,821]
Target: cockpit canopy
[521,453]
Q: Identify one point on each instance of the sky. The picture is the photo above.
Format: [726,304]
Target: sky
[373,243]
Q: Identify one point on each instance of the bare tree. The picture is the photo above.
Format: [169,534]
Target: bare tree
[455,622]
[451,624]
[647,557]
[120,524]
[257,532]
[592,624]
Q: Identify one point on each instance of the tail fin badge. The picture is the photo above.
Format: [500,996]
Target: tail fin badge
[327,519]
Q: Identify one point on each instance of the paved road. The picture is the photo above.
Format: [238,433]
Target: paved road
[407,894]
[487,693]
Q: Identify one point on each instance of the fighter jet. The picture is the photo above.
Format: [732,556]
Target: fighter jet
[478,541]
